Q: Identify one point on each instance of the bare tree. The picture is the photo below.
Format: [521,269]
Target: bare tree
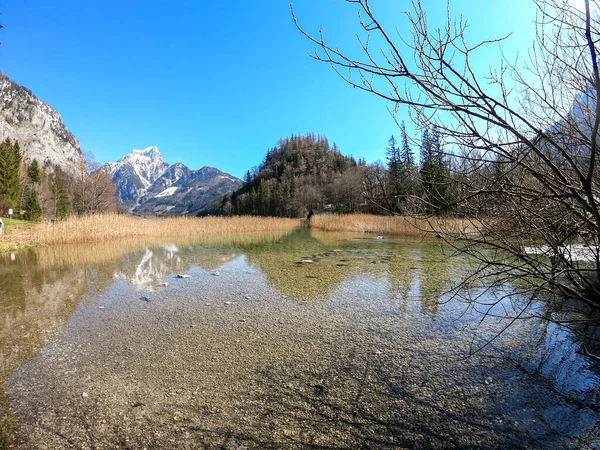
[93,189]
[524,140]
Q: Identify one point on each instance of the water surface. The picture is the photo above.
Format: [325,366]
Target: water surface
[356,347]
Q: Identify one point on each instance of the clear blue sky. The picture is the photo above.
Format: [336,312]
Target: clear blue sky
[213,83]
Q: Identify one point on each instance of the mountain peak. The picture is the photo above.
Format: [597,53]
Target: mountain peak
[145,166]
[146,184]
[150,152]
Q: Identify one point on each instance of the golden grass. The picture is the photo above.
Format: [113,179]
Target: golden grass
[106,227]
[393,225]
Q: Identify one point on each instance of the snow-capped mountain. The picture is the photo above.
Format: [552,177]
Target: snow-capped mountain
[135,172]
[146,184]
[37,127]
[148,164]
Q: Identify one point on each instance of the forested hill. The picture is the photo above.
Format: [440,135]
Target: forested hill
[299,174]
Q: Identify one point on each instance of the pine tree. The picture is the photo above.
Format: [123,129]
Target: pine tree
[61,197]
[10,161]
[33,172]
[406,154]
[252,202]
[435,173]
[427,168]
[278,199]
[33,208]
[264,198]
[394,173]
[32,205]
[392,154]
[408,171]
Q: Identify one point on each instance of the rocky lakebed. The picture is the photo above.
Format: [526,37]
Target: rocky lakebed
[354,348]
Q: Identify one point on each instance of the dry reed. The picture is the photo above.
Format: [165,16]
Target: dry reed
[393,225]
[105,227]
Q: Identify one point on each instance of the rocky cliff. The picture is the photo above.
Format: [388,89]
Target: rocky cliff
[37,127]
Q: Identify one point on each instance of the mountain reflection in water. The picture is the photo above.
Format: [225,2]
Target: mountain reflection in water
[42,289]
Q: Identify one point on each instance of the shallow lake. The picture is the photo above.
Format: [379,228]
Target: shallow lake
[307,340]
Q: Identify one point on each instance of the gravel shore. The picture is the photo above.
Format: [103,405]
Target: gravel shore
[225,361]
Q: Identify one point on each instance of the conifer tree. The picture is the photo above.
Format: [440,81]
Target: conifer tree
[394,162]
[394,173]
[61,198]
[32,207]
[33,172]
[406,154]
[278,199]
[264,198]
[10,160]
[435,174]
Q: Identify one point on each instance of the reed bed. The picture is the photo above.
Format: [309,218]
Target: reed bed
[394,225]
[106,227]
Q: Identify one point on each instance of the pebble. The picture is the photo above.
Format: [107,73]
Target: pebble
[227,303]
[85,395]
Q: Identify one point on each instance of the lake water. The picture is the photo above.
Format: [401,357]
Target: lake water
[357,347]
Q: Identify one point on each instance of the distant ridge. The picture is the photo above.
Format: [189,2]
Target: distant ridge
[146,184]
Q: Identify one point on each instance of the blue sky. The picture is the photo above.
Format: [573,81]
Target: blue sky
[215,83]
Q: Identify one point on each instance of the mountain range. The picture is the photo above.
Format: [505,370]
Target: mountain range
[147,184]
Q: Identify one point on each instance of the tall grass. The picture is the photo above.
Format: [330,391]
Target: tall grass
[392,225]
[105,227]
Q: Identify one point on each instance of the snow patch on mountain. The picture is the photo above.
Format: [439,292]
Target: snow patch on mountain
[167,192]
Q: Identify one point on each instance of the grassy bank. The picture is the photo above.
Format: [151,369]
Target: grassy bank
[107,227]
[17,234]
[391,225]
